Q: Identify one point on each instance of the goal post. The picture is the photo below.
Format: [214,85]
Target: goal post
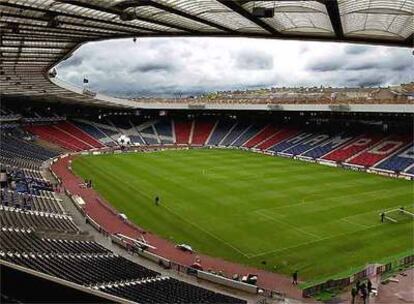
[397,215]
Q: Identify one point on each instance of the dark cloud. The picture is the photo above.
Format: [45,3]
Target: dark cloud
[328,65]
[357,49]
[359,66]
[254,60]
[364,81]
[190,66]
[154,67]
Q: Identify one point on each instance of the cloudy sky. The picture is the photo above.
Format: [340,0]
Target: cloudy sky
[165,66]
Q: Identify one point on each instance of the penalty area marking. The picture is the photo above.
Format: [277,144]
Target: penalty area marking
[207,232]
[302,231]
[345,219]
[310,242]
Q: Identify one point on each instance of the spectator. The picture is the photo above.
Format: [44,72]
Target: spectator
[295,278]
[354,292]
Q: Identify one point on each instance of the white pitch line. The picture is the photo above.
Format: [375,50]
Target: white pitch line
[287,224]
[327,198]
[310,242]
[353,223]
[207,232]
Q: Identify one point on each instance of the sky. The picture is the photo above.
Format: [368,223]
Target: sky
[192,66]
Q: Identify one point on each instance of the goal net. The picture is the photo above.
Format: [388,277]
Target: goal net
[398,215]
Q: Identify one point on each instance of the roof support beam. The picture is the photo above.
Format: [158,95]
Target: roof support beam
[241,11]
[409,41]
[100,30]
[172,10]
[114,11]
[104,22]
[334,16]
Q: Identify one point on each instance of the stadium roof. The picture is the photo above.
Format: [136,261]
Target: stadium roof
[37,34]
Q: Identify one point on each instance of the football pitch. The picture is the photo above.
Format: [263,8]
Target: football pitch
[269,212]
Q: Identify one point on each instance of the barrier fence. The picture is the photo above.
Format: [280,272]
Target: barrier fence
[368,271]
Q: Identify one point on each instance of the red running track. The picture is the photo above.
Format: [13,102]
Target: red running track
[106,218]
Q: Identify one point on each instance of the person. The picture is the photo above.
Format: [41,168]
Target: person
[358,285]
[157,200]
[364,293]
[354,292]
[369,286]
[382,217]
[295,278]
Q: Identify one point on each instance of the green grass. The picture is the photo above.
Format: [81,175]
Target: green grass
[250,208]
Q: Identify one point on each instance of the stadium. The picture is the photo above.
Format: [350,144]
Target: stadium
[249,195]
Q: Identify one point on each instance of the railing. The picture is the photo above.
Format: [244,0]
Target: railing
[368,271]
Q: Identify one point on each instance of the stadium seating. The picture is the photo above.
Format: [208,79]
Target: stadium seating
[37,233]
[307,144]
[201,133]
[18,218]
[26,241]
[235,133]
[13,147]
[277,137]
[400,161]
[167,290]
[247,134]
[80,134]
[90,129]
[182,132]
[85,269]
[164,130]
[261,136]
[356,146]
[382,150]
[58,137]
[291,142]
[410,170]
[222,129]
[330,144]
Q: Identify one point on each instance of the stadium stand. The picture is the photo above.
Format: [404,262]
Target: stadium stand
[91,130]
[167,290]
[149,135]
[330,144]
[291,142]
[79,134]
[202,131]
[38,234]
[307,144]
[251,131]
[27,241]
[382,150]
[27,219]
[164,130]
[358,145]
[277,137]
[57,136]
[261,136]
[85,269]
[399,162]
[13,147]
[220,131]
[235,132]
[182,132]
